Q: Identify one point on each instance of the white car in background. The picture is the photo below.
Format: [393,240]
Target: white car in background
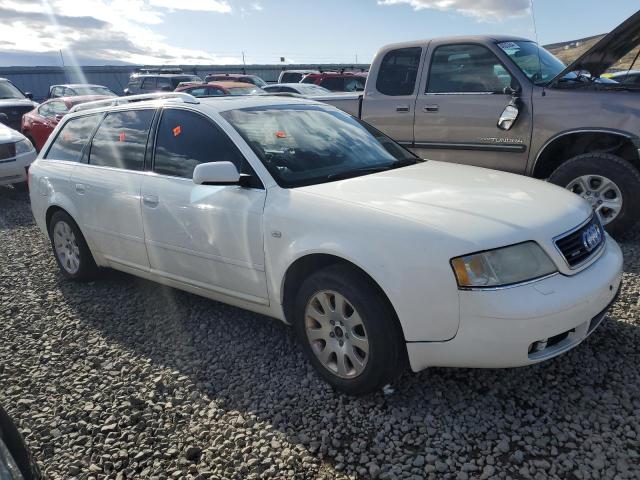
[16,154]
[296,210]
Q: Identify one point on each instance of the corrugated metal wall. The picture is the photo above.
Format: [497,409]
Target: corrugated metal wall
[38,79]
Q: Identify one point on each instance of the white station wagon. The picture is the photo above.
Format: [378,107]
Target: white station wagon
[296,210]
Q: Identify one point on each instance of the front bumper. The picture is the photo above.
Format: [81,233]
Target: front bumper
[14,170]
[502,328]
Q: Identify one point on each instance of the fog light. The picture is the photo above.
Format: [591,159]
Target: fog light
[538,346]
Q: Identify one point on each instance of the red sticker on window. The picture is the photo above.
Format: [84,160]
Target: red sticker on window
[66,136]
[281,134]
[177,131]
[122,137]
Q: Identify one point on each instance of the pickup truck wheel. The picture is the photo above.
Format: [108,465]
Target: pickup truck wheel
[348,331]
[609,183]
[70,248]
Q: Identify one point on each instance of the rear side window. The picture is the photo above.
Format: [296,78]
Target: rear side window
[398,71]
[72,138]
[186,139]
[215,91]
[121,140]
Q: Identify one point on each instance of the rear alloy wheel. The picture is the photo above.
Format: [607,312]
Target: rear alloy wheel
[609,183]
[70,248]
[348,330]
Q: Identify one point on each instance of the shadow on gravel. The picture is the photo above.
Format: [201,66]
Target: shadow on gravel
[11,206]
[250,365]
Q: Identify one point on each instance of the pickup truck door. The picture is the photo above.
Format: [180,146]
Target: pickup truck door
[390,92]
[461,98]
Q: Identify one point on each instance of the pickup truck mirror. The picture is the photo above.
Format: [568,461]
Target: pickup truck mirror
[510,113]
[216,173]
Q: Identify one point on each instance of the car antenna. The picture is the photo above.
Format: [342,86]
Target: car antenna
[535,31]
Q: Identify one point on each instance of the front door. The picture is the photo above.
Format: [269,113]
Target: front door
[457,110]
[389,101]
[107,188]
[202,235]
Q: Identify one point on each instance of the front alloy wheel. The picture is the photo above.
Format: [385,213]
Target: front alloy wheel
[336,334]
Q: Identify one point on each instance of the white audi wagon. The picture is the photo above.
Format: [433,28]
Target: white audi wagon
[296,210]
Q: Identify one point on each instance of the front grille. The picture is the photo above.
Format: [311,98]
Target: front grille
[7,150]
[14,115]
[581,244]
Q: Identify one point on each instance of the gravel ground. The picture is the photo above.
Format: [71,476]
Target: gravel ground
[122,378]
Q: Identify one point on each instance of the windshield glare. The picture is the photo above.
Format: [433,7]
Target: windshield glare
[9,90]
[538,64]
[309,144]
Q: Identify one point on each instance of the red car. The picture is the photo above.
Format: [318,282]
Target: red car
[38,124]
[338,81]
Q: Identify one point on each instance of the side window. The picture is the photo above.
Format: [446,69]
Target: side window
[215,91]
[149,83]
[398,71]
[466,69]
[333,83]
[353,84]
[72,138]
[58,108]
[186,139]
[68,92]
[308,79]
[45,110]
[198,92]
[121,140]
[56,92]
[164,84]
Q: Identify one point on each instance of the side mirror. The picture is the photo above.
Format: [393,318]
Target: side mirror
[4,118]
[216,173]
[510,113]
[29,95]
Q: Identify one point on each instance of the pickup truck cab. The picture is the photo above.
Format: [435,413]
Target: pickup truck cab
[506,103]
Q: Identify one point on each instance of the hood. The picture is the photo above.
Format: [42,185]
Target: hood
[611,48]
[9,135]
[17,102]
[486,207]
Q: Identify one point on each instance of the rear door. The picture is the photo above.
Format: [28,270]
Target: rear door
[462,96]
[107,187]
[208,236]
[390,93]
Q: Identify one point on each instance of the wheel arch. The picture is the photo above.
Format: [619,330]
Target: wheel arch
[570,143]
[309,263]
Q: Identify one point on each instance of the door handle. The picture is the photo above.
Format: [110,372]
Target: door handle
[402,108]
[150,200]
[81,188]
[431,108]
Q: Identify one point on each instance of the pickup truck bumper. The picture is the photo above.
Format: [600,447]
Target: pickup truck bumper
[526,324]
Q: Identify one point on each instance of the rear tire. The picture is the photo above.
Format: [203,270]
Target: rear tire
[348,330]
[70,248]
[576,173]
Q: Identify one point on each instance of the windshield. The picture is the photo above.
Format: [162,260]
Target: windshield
[538,64]
[9,90]
[309,144]
[245,90]
[97,90]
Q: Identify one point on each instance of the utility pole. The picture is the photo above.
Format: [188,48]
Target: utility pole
[244,66]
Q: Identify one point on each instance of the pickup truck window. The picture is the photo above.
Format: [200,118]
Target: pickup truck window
[398,71]
[466,69]
[538,64]
[309,144]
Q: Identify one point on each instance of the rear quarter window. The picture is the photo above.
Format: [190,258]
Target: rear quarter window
[72,138]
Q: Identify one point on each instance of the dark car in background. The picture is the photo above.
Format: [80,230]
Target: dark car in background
[38,124]
[338,81]
[78,89]
[16,462]
[236,77]
[13,104]
[219,89]
[158,82]
[299,88]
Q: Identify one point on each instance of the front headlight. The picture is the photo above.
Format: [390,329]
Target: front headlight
[24,146]
[502,266]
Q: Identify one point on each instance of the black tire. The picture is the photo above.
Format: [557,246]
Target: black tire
[21,187]
[20,454]
[387,351]
[87,268]
[618,170]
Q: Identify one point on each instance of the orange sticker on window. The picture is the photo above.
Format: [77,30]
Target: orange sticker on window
[281,134]
[66,136]
[122,137]
[177,131]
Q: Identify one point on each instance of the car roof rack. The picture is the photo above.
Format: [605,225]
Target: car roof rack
[109,102]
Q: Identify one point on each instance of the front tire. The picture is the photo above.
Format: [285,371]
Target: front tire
[348,330]
[70,248]
[609,183]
